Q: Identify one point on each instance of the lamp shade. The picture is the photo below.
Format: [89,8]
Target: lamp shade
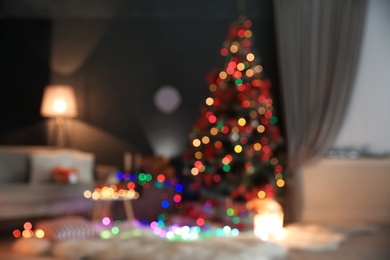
[59,101]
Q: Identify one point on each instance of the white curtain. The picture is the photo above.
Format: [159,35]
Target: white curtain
[318,50]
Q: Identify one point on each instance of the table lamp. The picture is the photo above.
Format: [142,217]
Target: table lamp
[59,103]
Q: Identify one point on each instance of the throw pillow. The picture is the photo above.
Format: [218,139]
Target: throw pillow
[42,163]
[67,228]
[66,175]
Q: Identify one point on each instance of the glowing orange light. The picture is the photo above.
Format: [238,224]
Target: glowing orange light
[248,33]
[198,155]
[261,110]
[260,128]
[280,183]
[249,73]
[214,131]
[206,139]
[222,75]
[257,147]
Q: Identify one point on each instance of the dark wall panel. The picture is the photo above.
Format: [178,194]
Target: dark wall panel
[24,71]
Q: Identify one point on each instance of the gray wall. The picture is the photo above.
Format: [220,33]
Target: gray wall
[116,54]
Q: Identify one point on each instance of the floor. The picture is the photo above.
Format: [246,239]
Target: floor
[373,245]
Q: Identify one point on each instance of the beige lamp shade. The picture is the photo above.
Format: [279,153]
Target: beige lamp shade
[59,101]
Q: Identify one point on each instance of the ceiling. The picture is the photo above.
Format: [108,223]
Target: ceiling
[129,9]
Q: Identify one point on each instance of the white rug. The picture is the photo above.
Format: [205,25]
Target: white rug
[146,245]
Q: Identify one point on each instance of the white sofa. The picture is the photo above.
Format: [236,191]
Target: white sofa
[26,188]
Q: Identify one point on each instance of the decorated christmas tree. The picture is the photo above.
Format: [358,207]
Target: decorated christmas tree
[235,142]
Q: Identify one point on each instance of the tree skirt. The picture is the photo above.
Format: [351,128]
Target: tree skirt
[146,245]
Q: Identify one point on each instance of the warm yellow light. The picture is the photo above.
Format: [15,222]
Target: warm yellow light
[59,106]
[234,48]
[261,194]
[196,142]
[280,183]
[206,139]
[241,121]
[39,233]
[209,101]
[240,66]
[194,171]
[250,57]
[238,148]
[59,100]
[27,233]
[87,194]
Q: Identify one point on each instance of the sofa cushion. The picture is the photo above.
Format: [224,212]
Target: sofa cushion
[22,200]
[13,166]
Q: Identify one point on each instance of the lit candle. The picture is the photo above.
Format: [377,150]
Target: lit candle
[268,221]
